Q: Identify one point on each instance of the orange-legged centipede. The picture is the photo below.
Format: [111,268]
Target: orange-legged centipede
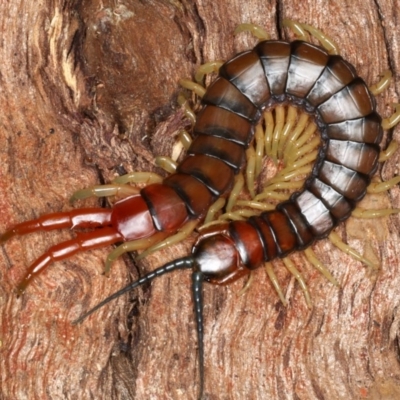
[273,72]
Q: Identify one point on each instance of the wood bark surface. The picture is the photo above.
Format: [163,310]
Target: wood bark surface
[88,89]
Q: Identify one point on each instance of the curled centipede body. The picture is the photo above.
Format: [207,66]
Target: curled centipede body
[275,72]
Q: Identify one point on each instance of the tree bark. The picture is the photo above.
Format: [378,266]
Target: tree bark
[88,90]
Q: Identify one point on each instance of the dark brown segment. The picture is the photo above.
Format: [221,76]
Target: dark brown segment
[214,173]
[275,57]
[315,213]
[216,121]
[337,74]
[282,228]
[337,204]
[167,209]
[225,95]
[349,183]
[247,74]
[363,130]
[268,238]
[299,224]
[194,193]
[353,101]
[306,65]
[230,152]
[247,242]
[360,157]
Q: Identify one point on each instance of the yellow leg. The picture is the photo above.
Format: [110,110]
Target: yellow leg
[133,245]
[193,86]
[216,207]
[138,177]
[312,258]
[393,120]
[388,152]
[183,233]
[237,188]
[383,83]
[189,113]
[185,139]
[255,30]
[296,273]
[207,68]
[379,187]
[247,285]
[275,283]
[104,191]
[370,214]
[166,163]
[337,241]
[250,170]
[300,30]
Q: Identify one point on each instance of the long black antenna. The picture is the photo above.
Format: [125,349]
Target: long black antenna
[197,290]
[182,263]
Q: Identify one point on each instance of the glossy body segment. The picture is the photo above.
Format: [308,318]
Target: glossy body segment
[246,73]
[275,58]
[306,65]
[350,129]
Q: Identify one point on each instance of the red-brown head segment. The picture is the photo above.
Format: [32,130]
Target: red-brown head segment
[217,257]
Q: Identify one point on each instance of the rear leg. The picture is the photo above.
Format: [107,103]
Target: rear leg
[82,218]
[83,242]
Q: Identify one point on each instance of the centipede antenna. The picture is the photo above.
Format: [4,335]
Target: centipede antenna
[182,263]
[197,289]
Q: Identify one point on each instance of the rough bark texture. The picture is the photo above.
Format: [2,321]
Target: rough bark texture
[87,89]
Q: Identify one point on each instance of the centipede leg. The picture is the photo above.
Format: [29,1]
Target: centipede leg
[300,30]
[384,155]
[337,241]
[312,258]
[296,273]
[375,188]
[382,84]
[207,68]
[393,120]
[275,283]
[138,177]
[379,187]
[183,233]
[216,207]
[184,103]
[84,241]
[115,189]
[255,30]
[119,187]
[82,218]
[134,245]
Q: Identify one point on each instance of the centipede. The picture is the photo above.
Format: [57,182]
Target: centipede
[273,74]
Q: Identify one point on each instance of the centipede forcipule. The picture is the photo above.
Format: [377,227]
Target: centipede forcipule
[238,224]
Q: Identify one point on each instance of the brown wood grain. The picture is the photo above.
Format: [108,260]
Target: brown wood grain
[89,87]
